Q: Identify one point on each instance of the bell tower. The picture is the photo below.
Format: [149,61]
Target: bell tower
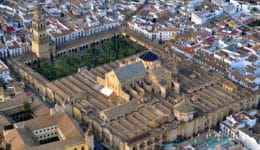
[40,39]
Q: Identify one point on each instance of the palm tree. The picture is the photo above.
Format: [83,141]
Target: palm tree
[32,98]
[127,39]
[27,106]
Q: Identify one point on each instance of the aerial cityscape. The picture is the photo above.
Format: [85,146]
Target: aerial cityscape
[129,75]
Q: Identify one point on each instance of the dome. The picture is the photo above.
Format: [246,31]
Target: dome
[149,56]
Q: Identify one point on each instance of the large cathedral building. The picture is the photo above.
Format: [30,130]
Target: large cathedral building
[139,102]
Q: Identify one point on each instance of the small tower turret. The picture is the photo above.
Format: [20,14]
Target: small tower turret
[89,137]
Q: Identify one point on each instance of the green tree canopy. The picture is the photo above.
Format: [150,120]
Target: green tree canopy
[105,52]
[27,106]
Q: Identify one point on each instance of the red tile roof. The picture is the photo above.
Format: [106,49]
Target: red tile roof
[235,32]
[189,50]
[210,39]
[251,77]
[249,21]
[252,58]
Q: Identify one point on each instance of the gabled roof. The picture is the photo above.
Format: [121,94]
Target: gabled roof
[21,137]
[185,107]
[130,72]
[121,110]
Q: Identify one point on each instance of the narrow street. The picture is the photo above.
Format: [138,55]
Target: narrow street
[28,87]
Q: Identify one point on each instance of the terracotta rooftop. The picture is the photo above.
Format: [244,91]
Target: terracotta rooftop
[21,136]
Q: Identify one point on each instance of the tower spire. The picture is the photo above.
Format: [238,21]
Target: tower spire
[37,9]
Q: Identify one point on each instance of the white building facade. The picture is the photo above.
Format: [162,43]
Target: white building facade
[249,141]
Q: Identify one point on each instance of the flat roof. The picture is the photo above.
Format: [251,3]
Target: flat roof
[106,91]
